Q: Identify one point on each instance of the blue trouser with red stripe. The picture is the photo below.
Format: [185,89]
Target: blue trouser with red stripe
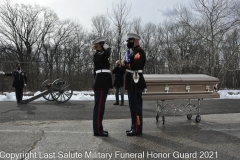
[100,96]
[136,110]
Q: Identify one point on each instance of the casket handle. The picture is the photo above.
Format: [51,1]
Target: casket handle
[187,88]
[207,87]
[166,88]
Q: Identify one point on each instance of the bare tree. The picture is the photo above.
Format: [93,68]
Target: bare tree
[216,17]
[23,27]
[135,25]
[148,35]
[229,60]
[119,16]
[101,25]
[53,46]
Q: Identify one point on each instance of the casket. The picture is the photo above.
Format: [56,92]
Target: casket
[180,86]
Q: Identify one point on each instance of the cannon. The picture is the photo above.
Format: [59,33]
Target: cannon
[58,90]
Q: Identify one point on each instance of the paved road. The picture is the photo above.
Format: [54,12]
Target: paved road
[47,130]
[82,110]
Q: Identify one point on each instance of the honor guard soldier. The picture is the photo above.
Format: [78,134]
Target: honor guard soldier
[19,81]
[135,82]
[102,83]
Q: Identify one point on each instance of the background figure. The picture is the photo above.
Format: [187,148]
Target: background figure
[19,81]
[135,83]
[102,83]
[119,72]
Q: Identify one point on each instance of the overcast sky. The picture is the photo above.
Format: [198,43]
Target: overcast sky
[83,10]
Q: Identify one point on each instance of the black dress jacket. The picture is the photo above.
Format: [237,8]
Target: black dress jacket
[102,80]
[137,62]
[119,76]
[19,78]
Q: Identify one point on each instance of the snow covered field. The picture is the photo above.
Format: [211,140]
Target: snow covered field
[77,95]
[88,95]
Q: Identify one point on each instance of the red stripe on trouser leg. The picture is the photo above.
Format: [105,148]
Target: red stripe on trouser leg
[99,110]
[136,123]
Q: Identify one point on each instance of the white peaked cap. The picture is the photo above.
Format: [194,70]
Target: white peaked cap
[133,35]
[99,39]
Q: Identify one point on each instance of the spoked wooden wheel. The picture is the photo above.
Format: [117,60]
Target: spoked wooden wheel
[61,90]
[45,86]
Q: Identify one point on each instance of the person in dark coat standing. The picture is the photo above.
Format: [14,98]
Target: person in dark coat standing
[102,83]
[135,82]
[119,72]
[19,81]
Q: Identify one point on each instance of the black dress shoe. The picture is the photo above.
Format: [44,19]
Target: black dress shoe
[103,134]
[131,133]
[128,131]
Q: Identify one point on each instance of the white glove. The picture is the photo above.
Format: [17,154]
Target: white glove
[1,72]
[131,51]
[25,84]
[105,46]
[122,61]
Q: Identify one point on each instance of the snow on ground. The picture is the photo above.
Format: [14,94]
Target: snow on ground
[77,95]
[88,95]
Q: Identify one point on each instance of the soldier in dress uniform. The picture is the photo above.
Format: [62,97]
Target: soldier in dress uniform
[19,81]
[102,83]
[135,82]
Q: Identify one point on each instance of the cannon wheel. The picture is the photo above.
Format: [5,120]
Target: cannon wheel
[44,87]
[198,118]
[61,90]
[189,116]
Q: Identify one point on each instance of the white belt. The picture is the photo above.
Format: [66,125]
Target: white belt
[103,70]
[131,71]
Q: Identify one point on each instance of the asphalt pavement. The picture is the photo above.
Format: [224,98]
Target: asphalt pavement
[48,130]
